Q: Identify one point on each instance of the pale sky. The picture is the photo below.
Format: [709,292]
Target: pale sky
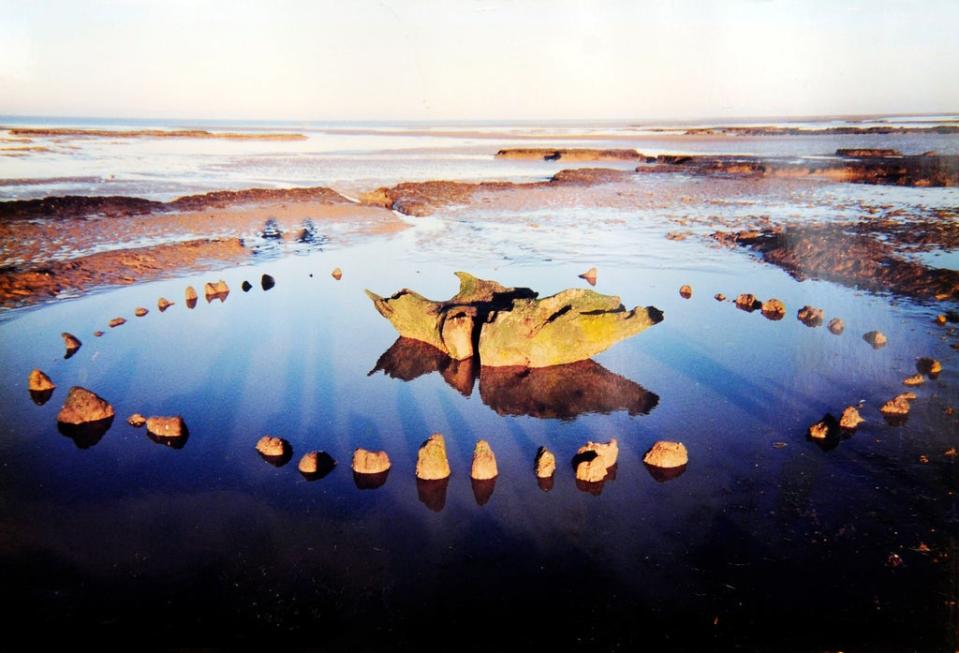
[477,59]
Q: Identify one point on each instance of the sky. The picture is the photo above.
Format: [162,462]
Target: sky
[477,59]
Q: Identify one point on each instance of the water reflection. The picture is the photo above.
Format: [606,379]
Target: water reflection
[557,392]
[86,435]
[483,490]
[663,474]
[370,481]
[173,443]
[41,397]
[433,493]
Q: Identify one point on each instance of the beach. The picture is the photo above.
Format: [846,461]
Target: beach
[766,530]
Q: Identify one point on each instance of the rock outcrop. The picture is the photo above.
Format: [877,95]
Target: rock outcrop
[571,154]
[511,326]
[484,462]
[431,461]
[875,338]
[136,420]
[825,428]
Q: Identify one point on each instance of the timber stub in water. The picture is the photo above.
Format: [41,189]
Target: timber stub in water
[511,327]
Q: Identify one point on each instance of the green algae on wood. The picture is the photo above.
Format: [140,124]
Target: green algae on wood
[511,327]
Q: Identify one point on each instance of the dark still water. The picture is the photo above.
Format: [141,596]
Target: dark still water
[766,542]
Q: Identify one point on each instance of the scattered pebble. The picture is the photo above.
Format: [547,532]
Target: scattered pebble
[608,451]
[915,379]
[246,286]
[98,333]
[719,297]
[140,311]
[941,319]
[137,420]
[686,291]
[484,462]
[267,282]
[810,316]
[836,326]
[117,321]
[163,303]
[950,452]
[923,459]
[190,294]
[337,274]
[875,338]
[431,461]
[589,276]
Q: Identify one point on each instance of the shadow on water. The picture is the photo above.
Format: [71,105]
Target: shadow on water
[86,435]
[557,392]
[172,443]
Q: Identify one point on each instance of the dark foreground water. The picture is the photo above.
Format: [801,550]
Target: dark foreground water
[768,541]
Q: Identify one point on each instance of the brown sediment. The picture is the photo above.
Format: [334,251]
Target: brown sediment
[421,198]
[152,133]
[570,154]
[78,206]
[26,286]
[913,170]
[846,255]
[825,131]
